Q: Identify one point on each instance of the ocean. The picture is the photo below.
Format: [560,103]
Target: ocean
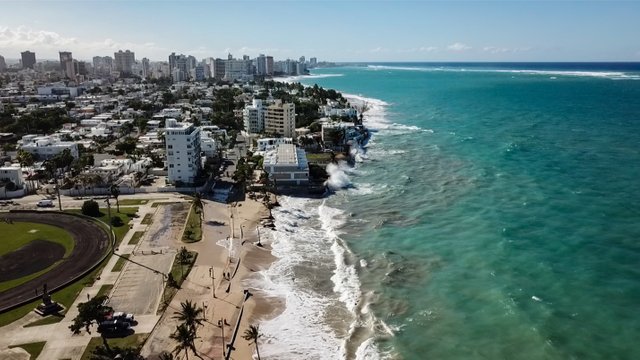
[494,214]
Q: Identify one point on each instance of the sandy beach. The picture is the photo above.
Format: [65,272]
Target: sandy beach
[228,251]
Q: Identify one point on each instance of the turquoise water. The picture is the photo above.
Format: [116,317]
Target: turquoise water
[496,214]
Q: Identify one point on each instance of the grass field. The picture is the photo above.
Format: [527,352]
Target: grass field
[179,272]
[125,202]
[135,239]
[34,349]
[135,340]
[125,214]
[193,229]
[120,263]
[65,296]
[148,218]
[19,234]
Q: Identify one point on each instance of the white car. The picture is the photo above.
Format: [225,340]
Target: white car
[119,315]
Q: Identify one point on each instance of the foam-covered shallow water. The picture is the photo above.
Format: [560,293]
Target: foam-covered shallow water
[493,214]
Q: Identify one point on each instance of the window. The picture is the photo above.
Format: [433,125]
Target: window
[171,165]
[170,146]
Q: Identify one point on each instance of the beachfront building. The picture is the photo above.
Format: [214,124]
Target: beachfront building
[46,147]
[287,165]
[267,144]
[253,116]
[183,151]
[281,119]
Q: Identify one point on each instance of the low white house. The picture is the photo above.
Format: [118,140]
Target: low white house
[287,165]
[46,147]
[267,144]
[12,173]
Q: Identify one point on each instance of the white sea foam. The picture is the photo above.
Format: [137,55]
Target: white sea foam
[291,79]
[338,176]
[613,75]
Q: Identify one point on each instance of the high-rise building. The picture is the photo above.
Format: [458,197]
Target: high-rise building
[199,73]
[28,59]
[183,151]
[172,61]
[180,70]
[3,64]
[102,65]
[124,61]
[192,62]
[313,62]
[261,65]
[281,119]
[218,70]
[246,57]
[145,68]
[302,59]
[66,65]
[269,66]
[253,116]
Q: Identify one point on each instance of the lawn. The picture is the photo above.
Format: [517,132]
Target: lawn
[18,234]
[104,290]
[125,202]
[125,214]
[156,204]
[320,158]
[135,239]
[147,219]
[135,340]
[193,229]
[65,296]
[120,263]
[179,272]
[34,349]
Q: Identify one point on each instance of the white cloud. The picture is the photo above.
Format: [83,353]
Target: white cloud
[502,50]
[428,48]
[48,43]
[22,37]
[458,47]
[378,49]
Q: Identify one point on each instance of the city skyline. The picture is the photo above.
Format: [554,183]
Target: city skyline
[333,31]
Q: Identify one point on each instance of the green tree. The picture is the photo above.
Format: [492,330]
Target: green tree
[115,192]
[89,312]
[185,339]
[198,204]
[91,208]
[191,315]
[252,334]
[184,257]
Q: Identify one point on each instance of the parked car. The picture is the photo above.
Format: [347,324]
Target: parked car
[113,326]
[119,315]
[45,203]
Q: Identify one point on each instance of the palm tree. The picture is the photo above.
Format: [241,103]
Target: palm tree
[115,192]
[183,257]
[252,334]
[198,204]
[185,339]
[190,314]
[166,356]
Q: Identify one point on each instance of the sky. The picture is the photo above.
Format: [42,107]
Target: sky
[339,31]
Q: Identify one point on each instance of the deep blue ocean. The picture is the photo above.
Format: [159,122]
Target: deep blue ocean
[495,214]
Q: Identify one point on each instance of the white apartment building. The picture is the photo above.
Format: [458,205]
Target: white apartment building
[124,61]
[253,116]
[287,165]
[208,144]
[183,151]
[281,119]
[46,147]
